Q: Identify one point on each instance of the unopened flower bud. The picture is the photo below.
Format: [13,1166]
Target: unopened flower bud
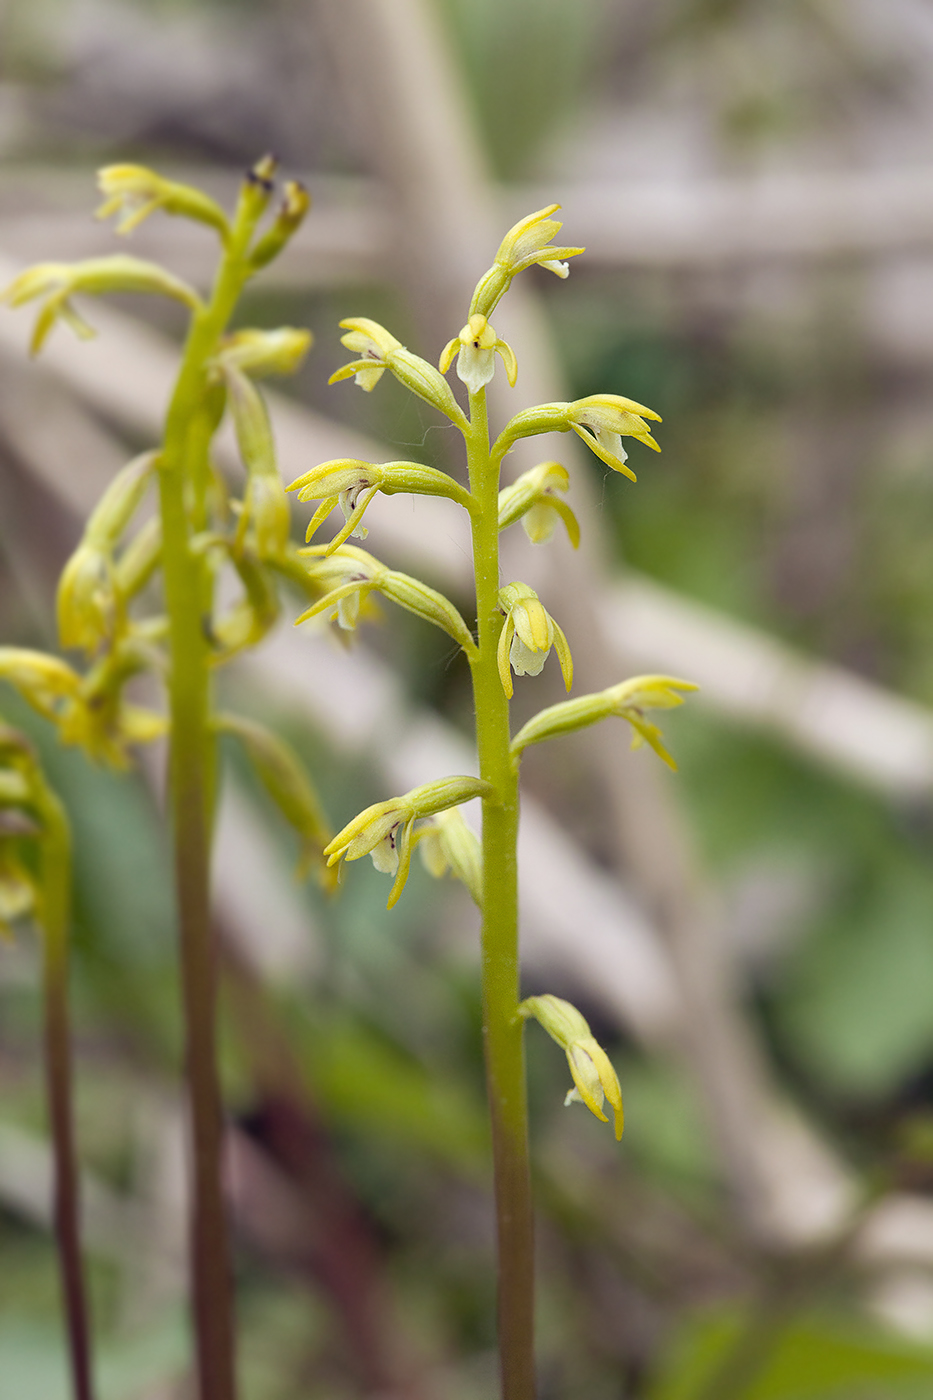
[257,189]
[265,505]
[295,205]
[259,353]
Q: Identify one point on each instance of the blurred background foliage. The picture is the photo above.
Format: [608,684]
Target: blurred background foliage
[795,493]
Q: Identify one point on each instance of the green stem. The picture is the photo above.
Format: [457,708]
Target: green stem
[182,470]
[502,1028]
[55,919]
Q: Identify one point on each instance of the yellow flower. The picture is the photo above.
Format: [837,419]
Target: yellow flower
[602,419]
[58,282]
[136,192]
[628,700]
[377,350]
[384,830]
[447,843]
[527,636]
[533,500]
[526,243]
[476,348]
[265,352]
[370,343]
[352,484]
[87,599]
[594,1078]
[346,577]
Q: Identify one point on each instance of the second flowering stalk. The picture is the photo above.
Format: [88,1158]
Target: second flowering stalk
[514,633]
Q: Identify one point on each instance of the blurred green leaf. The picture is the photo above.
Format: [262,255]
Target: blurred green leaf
[856,1008]
[368,1084]
[33,1364]
[808,1360]
[529,64]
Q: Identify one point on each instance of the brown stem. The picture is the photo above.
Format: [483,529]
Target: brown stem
[55,916]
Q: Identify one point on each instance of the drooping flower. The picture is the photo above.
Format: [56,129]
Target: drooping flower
[534,500]
[594,1078]
[447,844]
[384,830]
[135,191]
[346,577]
[58,282]
[527,636]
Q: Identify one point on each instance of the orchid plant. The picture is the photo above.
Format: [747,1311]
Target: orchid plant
[515,634]
[108,611]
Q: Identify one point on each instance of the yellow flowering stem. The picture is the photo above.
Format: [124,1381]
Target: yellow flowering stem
[54,914]
[182,468]
[502,1028]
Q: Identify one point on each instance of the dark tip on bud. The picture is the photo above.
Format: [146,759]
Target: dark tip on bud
[296,201]
[263,171]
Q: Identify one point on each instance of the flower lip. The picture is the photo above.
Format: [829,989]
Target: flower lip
[476,348]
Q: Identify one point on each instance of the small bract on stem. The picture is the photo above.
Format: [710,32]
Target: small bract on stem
[515,634]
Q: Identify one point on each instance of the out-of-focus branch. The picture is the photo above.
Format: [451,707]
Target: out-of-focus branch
[691,224]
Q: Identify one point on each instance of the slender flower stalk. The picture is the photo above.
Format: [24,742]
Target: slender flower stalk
[502,1028]
[183,467]
[33,820]
[54,917]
